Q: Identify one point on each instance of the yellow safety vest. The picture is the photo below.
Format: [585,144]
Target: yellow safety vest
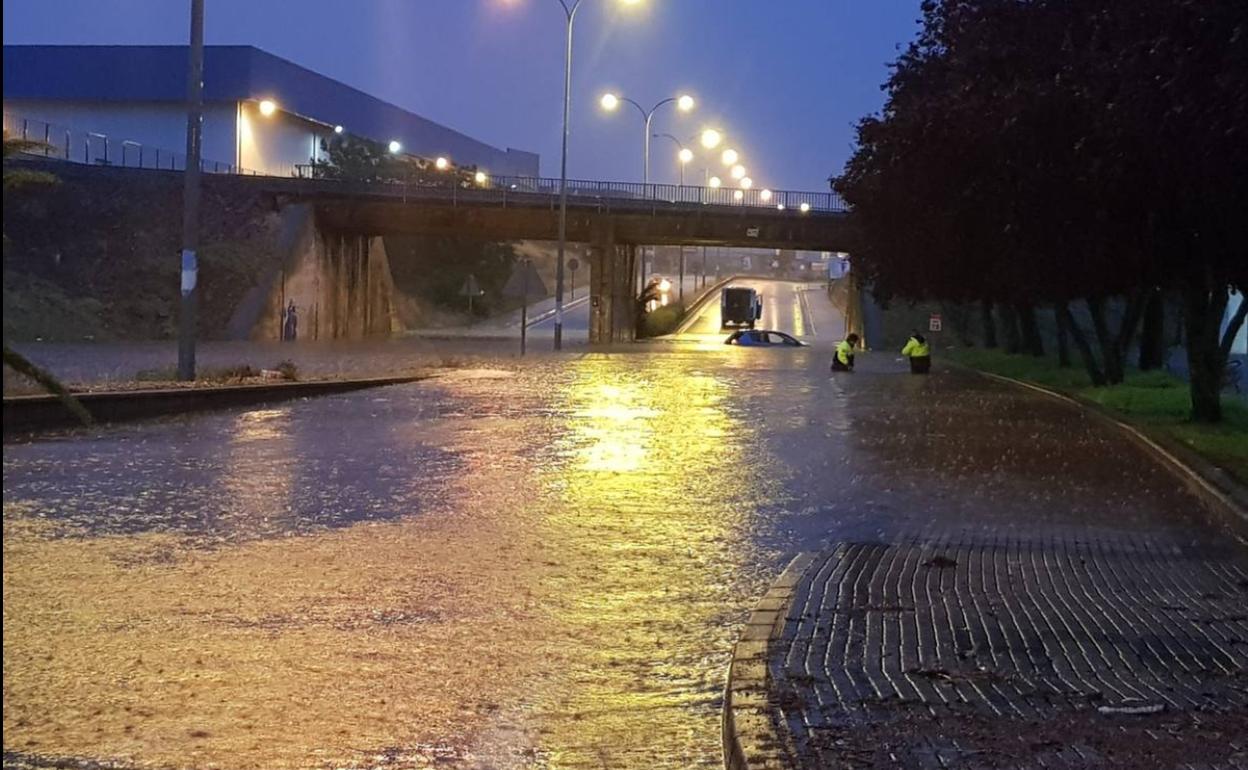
[916,348]
[844,351]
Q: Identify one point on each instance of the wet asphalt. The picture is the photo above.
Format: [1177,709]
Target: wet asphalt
[518,564]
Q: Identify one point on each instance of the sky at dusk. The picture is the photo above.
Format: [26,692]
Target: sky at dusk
[785,79]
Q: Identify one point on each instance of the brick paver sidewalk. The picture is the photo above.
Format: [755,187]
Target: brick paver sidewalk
[1003,652]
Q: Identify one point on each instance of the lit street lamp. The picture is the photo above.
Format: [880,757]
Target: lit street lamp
[730,157]
[611,102]
[684,155]
[569,12]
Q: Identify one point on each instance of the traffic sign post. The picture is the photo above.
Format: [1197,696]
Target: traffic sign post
[471,290]
[524,284]
[574,264]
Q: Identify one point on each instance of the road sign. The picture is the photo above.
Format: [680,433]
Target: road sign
[471,289]
[573,265]
[525,283]
[934,322]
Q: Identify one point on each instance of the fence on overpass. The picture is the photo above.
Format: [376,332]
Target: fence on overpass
[95,149]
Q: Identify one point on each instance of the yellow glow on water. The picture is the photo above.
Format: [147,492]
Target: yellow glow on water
[575,594]
[616,426]
[654,493]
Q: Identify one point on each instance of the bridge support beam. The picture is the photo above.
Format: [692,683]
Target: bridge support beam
[612,287]
[340,284]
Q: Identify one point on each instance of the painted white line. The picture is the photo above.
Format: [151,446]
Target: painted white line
[549,314]
[806,316]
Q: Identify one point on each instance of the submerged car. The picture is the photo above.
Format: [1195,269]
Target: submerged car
[751,338]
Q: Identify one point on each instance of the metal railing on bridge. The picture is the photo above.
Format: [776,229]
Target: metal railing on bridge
[674,193]
[97,149]
[505,188]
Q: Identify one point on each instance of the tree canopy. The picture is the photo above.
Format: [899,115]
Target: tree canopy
[356,159]
[1046,151]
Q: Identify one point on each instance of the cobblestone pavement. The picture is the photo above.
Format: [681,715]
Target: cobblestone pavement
[1005,652]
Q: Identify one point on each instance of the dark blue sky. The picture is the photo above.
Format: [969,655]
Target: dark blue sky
[786,79]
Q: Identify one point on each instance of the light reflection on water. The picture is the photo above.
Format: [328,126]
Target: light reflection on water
[546,570]
[656,499]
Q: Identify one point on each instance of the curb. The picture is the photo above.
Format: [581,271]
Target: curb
[548,314]
[1216,488]
[751,740]
[32,414]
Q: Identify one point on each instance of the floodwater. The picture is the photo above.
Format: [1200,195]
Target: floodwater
[520,565]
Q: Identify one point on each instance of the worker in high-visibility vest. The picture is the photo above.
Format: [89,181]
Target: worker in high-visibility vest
[919,353]
[843,359]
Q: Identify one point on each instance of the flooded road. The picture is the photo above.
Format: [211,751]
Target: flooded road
[541,564]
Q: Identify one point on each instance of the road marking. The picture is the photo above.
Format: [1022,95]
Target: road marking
[806,316]
[549,314]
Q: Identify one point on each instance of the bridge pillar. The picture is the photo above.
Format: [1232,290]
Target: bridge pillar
[353,296]
[612,287]
[340,284]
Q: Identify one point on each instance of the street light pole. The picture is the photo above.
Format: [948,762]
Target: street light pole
[648,117]
[190,195]
[681,156]
[570,13]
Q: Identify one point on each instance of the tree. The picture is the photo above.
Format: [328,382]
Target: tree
[1048,151]
[356,159]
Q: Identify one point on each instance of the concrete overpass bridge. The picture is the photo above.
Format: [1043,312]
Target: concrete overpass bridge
[334,259]
[340,226]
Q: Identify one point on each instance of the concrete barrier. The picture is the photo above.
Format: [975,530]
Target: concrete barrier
[32,414]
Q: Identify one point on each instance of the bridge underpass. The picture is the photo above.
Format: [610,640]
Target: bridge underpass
[334,229]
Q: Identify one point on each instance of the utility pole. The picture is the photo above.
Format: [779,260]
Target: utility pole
[190,195]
